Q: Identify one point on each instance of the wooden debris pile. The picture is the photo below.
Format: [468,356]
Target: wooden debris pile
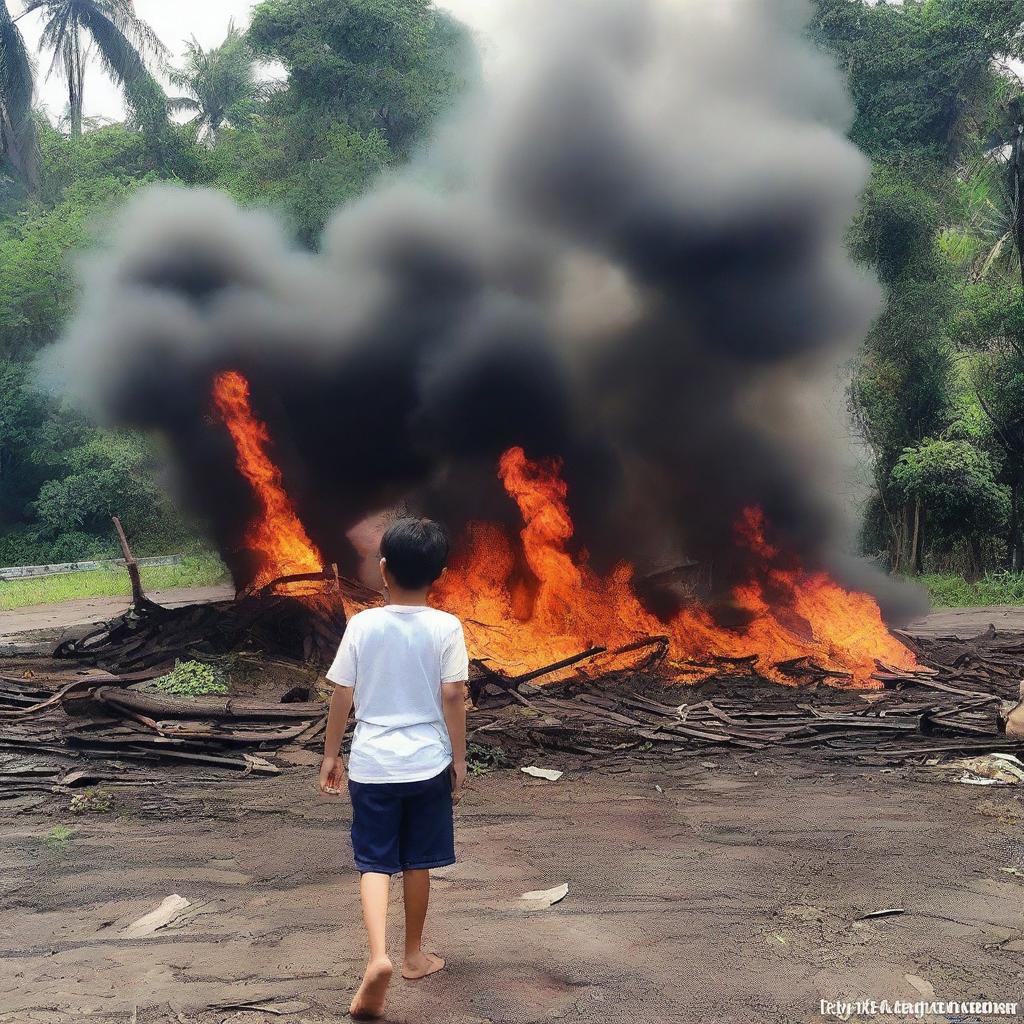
[299,617]
[97,715]
[67,724]
[956,702]
[991,662]
[149,635]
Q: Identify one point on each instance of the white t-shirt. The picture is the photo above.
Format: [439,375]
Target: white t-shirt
[397,657]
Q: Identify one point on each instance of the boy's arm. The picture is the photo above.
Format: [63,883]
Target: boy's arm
[332,771]
[453,701]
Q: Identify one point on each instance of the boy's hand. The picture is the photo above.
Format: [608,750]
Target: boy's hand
[458,780]
[332,776]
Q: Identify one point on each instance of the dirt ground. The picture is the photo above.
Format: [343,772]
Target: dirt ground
[735,894]
[728,888]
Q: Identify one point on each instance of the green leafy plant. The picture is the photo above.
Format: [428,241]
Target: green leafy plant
[192,679]
[59,835]
[480,759]
[92,801]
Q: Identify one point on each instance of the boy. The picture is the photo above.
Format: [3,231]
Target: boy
[405,667]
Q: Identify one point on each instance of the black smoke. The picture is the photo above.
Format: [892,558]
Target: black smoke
[635,263]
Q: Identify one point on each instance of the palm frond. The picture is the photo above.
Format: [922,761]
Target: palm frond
[18,139]
[59,36]
[180,103]
[993,256]
[222,80]
[120,59]
[16,74]
[138,32]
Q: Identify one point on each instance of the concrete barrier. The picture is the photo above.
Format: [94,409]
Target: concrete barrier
[23,572]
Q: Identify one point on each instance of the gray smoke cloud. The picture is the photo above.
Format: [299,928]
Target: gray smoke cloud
[634,261]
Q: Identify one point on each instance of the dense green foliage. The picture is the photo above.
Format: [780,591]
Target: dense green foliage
[365,79]
[937,387]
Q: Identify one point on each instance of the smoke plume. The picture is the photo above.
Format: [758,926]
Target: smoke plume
[635,263]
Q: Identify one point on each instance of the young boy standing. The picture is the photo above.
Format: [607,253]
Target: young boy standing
[404,667]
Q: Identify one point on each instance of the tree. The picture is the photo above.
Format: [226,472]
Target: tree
[222,85]
[989,330]
[952,486]
[123,40]
[37,289]
[22,409]
[18,144]
[900,388]
[299,163]
[920,71]
[927,78]
[379,65]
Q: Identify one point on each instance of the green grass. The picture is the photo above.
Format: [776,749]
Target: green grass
[194,571]
[951,591]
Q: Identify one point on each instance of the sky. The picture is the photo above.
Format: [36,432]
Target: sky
[175,21]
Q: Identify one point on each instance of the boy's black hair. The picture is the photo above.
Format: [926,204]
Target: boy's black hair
[416,551]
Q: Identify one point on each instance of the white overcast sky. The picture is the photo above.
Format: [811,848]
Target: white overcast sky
[175,21]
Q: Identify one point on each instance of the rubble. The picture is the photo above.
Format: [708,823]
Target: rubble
[90,701]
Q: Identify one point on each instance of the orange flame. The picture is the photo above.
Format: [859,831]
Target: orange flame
[277,535]
[557,607]
[529,604]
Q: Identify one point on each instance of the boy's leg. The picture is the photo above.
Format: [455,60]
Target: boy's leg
[427,841]
[416,963]
[373,891]
[376,821]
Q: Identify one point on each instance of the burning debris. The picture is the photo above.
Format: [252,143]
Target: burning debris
[276,537]
[532,602]
[957,701]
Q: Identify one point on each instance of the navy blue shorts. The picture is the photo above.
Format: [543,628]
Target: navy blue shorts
[403,826]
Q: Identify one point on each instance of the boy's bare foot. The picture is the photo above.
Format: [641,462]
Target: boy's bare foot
[369,1000]
[419,965]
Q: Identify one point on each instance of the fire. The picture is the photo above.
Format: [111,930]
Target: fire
[530,601]
[277,535]
[529,606]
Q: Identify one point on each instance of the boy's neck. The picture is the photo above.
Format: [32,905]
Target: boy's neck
[407,597]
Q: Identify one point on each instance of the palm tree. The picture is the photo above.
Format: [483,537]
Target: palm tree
[122,39]
[18,144]
[221,82]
